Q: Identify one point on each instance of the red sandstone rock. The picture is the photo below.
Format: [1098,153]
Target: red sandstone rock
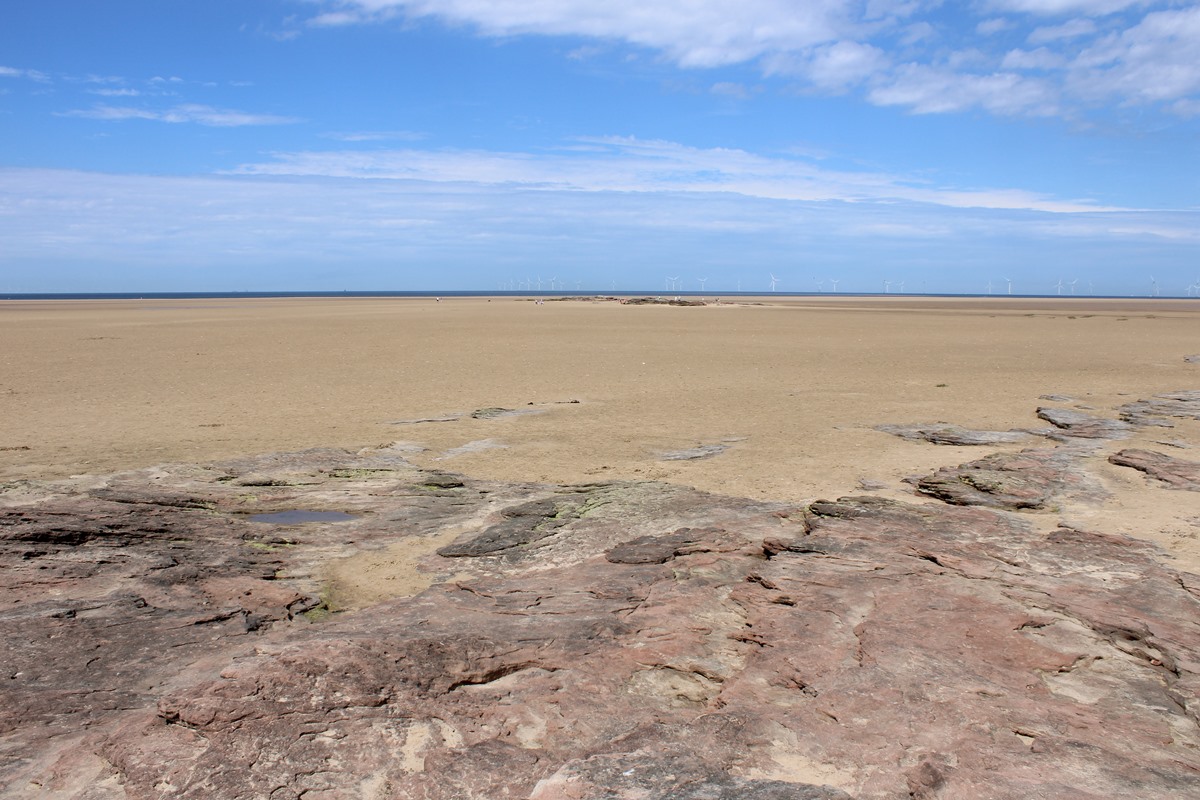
[1175,472]
[856,648]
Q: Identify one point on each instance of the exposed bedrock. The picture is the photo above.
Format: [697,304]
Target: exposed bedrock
[948,434]
[1158,409]
[622,641]
[1077,424]
[1028,480]
[1174,472]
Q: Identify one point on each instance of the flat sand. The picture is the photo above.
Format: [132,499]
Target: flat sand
[791,386]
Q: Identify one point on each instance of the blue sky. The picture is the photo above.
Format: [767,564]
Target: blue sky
[176,145]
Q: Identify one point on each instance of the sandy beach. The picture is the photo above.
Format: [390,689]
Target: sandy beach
[792,387]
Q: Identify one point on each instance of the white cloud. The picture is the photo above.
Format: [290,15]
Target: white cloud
[618,164]
[30,74]
[115,92]
[1156,60]
[694,34]
[1054,8]
[930,90]
[994,25]
[189,112]
[1068,30]
[897,52]
[840,65]
[730,89]
[98,232]
[374,136]
[1041,58]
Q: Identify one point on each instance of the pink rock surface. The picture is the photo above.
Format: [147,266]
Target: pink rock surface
[656,642]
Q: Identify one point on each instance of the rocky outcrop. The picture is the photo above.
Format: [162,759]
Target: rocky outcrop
[1158,410]
[697,453]
[624,640]
[1028,480]
[1175,472]
[947,434]
[1080,425]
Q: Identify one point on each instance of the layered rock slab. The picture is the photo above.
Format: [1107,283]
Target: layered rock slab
[1038,479]
[945,433]
[658,643]
[1174,472]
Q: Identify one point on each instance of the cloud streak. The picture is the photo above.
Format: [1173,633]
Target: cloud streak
[79,229]
[185,113]
[626,164]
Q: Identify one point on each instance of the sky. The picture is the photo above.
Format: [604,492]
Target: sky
[1031,146]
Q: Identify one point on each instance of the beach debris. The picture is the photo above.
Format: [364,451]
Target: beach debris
[1175,472]
[694,453]
[1057,398]
[1156,410]
[1028,480]
[1192,359]
[605,641]
[945,433]
[1076,424]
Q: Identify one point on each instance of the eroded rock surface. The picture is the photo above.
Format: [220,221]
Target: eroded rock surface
[655,642]
[1078,424]
[1031,479]
[1175,472]
[948,434]
[1160,408]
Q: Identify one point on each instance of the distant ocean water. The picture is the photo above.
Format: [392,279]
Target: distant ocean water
[483,293]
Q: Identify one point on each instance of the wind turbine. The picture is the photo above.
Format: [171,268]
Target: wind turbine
[1009,280]
[540,283]
[1059,285]
[1154,286]
[989,287]
[774,280]
[820,284]
[887,286]
[702,281]
[1073,285]
[834,281]
[674,283]
[901,287]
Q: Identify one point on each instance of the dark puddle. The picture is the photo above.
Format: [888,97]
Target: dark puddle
[294,517]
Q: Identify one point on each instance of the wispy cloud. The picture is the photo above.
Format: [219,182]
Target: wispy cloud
[79,229]
[374,136]
[115,92]
[185,113]
[1147,52]
[29,74]
[621,164]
